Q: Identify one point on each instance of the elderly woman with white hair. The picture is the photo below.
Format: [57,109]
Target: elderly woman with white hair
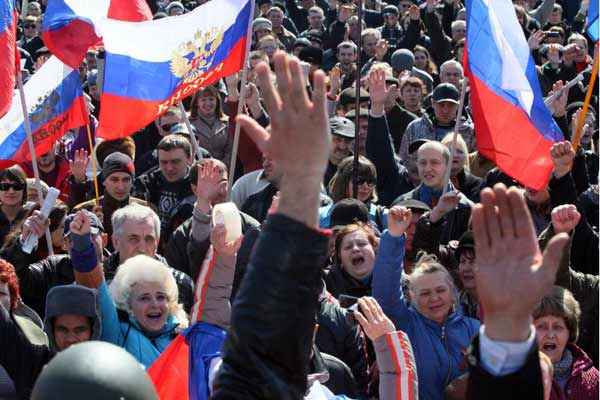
[139,309]
[437,329]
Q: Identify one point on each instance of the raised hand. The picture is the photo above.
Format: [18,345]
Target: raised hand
[562,154]
[554,53]
[218,240]
[378,91]
[446,203]
[35,224]
[335,81]
[398,220]
[414,13]
[565,218]
[511,273]
[81,224]
[78,165]
[559,105]
[574,121]
[535,39]
[299,142]
[372,318]
[381,49]
[208,183]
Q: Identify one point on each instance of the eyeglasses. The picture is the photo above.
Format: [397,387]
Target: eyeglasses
[167,127]
[363,180]
[29,26]
[15,186]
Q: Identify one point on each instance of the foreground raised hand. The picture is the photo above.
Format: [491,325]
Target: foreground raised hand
[372,318]
[299,141]
[511,273]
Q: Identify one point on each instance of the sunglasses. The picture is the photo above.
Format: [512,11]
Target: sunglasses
[363,180]
[167,127]
[29,26]
[15,186]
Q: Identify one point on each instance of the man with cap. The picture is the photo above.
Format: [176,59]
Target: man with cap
[347,99]
[465,257]
[118,173]
[37,277]
[436,125]
[287,38]
[261,27]
[175,8]
[72,316]
[363,127]
[391,30]
[342,142]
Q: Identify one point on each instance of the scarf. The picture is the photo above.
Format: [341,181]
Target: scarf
[431,196]
[562,369]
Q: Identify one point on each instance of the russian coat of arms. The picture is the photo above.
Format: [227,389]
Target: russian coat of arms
[196,56]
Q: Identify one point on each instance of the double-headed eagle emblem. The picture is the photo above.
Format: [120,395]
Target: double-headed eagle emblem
[196,56]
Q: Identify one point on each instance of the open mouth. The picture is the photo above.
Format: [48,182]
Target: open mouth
[549,347]
[154,316]
[357,260]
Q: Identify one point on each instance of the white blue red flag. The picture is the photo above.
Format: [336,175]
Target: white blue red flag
[9,60]
[55,104]
[152,65]
[592,20]
[513,126]
[68,25]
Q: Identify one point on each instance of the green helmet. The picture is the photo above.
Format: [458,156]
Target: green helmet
[92,371]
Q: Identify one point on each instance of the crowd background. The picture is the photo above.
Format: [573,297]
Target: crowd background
[406,240]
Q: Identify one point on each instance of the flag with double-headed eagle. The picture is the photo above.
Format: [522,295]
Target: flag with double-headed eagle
[55,104]
[152,65]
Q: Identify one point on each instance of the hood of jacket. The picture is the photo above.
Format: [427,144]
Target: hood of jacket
[72,299]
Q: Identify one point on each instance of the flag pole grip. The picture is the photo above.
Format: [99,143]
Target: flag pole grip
[461,106]
[36,172]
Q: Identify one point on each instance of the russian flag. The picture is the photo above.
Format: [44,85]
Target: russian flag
[55,104]
[68,25]
[163,61]
[592,20]
[513,126]
[9,62]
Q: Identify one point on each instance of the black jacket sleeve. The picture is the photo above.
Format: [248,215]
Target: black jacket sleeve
[390,183]
[526,383]
[22,360]
[441,45]
[267,351]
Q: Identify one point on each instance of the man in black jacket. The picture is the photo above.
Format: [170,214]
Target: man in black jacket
[166,187]
[512,276]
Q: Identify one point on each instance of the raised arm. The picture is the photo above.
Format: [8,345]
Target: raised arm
[387,273]
[395,358]
[273,318]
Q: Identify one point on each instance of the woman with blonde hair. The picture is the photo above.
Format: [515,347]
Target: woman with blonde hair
[460,175]
[438,330]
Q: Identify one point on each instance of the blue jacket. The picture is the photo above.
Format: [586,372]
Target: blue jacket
[129,335]
[377,215]
[438,348]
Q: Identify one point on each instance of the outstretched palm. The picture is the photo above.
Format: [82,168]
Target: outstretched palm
[512,275]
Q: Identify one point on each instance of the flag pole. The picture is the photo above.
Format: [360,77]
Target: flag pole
[357,103]
[188,125]
[92,155]
[461,106]
[241,102]
[586,104]
[36,172]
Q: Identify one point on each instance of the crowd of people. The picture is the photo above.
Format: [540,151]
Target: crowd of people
[362,271]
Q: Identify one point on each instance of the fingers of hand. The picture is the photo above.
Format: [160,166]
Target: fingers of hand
[270,96]
[506,216]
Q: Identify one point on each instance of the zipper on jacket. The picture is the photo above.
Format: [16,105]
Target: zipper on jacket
[445,343]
